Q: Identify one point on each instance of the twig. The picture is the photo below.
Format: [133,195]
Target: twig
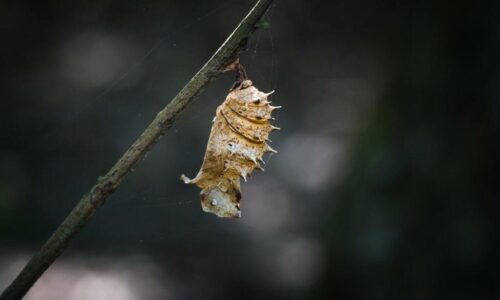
[107,184]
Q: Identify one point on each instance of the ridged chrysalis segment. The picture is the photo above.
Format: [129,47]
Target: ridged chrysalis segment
[236,145]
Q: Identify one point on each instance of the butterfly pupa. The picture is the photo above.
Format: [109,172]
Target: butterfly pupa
[238,141]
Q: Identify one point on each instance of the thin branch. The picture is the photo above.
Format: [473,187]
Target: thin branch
[107,184]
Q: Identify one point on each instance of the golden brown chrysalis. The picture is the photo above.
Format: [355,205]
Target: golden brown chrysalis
[237,143]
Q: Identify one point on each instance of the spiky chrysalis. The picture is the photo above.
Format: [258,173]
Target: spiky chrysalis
[237,143]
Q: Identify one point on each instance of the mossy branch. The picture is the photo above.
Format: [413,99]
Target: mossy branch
[107,184]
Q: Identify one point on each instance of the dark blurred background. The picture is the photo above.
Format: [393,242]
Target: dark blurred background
[385,185]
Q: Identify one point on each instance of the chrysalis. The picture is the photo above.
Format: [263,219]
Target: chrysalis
[237,143]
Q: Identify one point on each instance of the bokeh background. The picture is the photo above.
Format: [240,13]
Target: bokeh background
[385,187]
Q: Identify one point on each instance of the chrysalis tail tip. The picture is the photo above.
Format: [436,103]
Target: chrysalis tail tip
[185,179]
